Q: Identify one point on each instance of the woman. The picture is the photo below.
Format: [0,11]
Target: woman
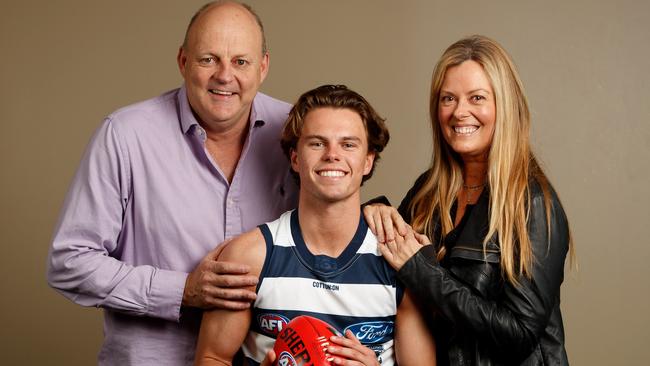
[500,237]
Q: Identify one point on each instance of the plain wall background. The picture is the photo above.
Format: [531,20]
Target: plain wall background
[67,64]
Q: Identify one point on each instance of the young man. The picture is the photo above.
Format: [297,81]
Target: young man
[321,259]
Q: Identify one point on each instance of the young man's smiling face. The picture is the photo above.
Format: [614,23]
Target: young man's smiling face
[331,156]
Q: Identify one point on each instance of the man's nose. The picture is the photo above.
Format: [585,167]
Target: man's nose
[331,153]
[224,73]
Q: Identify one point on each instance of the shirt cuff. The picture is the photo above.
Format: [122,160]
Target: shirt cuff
[166,294]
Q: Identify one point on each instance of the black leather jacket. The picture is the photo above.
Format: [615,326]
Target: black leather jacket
[479,317]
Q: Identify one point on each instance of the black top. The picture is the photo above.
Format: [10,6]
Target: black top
[480,318]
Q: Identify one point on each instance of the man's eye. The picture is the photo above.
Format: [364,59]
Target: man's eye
[206,60]
[240,62]
[349,145]
[316,144]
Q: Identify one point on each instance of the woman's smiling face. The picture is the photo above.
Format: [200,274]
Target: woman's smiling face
[467,110]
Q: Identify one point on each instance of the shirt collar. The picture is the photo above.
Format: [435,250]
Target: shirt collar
[188,120]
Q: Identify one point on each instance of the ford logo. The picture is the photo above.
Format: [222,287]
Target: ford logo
[372,332]
[272,323]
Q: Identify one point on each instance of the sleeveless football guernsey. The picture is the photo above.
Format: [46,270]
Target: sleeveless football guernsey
[356,291]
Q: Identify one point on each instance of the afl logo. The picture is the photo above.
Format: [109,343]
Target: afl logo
[286,359]
[372,332]
[272,323]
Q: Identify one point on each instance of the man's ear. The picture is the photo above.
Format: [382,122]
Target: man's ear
[294,160]
[264,67]
[370,161]
[181,59]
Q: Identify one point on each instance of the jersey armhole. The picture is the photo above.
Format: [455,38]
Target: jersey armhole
[268,240]
[399,292]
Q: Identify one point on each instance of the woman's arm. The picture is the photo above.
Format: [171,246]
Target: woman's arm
[514,322]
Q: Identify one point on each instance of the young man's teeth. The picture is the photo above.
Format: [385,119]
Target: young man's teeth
[331,173]
[465,130]
[219,92]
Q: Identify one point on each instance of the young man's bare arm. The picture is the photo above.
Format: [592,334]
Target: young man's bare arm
[414,343]
[223,331]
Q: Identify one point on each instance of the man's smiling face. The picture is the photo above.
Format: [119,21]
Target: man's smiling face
[331,156]
[223,65]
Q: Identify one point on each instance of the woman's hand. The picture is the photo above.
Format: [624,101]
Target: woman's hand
[350,351]
[383,221]
[400,250]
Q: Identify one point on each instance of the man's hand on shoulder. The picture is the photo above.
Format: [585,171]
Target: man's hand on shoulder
[225,277]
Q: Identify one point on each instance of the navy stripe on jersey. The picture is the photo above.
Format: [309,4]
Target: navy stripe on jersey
[267,322]
[368,268]
[323,264]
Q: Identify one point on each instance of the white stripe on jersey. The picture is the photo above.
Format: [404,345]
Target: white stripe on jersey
[281,230]
[257,343]
[370,245]
[362,300]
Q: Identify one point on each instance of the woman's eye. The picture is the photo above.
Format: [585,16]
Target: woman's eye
[477,98]
[447,99]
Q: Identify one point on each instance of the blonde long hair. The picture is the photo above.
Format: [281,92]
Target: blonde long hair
[510,164]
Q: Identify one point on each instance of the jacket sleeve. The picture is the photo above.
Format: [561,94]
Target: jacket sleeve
[513,322]
[83,262]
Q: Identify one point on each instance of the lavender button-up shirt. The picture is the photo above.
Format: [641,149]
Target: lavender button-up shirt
[147,203]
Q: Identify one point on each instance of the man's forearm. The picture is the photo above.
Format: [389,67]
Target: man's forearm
[91,278]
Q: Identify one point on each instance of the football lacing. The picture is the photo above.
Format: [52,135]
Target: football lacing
[322,341]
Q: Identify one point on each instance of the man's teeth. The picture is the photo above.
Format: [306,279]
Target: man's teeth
[466,130]
[331,173]
[219,92]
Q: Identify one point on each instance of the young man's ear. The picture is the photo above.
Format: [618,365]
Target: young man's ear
[370,161]
[294,160]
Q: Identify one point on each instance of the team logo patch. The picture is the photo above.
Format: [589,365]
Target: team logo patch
[272,323]
[286,359]
[372,332]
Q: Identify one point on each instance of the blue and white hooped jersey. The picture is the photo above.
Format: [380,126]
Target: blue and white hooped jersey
[356,291]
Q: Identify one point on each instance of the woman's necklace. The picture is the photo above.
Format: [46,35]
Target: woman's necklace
[470,189]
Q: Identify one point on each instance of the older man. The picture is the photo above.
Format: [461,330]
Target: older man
[163,182]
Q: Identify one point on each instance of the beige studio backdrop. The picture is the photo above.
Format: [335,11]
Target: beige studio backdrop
[66,64]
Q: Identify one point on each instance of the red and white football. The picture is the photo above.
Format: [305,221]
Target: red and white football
[304,341]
